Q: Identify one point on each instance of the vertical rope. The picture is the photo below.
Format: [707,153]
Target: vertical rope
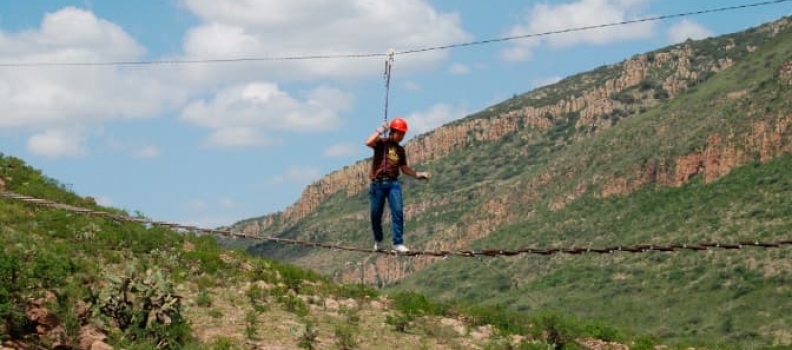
[388,65]
[387,76]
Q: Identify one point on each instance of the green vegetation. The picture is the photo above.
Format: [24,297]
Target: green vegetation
[132,280]
[680,288]
[80,260]
[693,150]
[696,150]
[150,288]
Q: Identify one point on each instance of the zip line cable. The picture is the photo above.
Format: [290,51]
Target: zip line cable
[596,26]
[637,248]
[373,55]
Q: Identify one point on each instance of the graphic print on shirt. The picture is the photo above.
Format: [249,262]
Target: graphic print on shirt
[393,158]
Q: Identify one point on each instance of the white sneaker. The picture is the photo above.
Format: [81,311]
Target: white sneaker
[377,246]
[401,248]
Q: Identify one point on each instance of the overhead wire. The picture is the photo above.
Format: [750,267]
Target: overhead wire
[596,26]
[390,53]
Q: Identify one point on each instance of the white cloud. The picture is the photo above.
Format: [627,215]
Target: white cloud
[43,98]
[237,137]
[545,18]
[687,29]
[57,144]
[72,34]
[240,115]
[214,208]
[197,205]
[210,221]
[147,152]
[412,86]
[459,69]
[47,97]
[437,115]
[227,203]
[344,150]
[287,28]
[300,175]
[520,52]
[135,149]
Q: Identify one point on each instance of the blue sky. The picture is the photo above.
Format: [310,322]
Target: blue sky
[209,144]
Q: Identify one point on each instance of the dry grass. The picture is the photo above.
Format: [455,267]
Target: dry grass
[364,321]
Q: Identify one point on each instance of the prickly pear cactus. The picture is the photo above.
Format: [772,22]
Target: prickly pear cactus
[141,303]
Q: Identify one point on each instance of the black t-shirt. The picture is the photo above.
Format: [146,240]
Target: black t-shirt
[389,168]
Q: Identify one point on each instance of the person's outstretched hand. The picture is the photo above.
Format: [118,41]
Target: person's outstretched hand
[423,175]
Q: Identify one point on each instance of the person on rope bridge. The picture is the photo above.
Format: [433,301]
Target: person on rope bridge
[389,160]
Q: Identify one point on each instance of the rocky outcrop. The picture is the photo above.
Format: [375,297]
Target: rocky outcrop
[785,73]
[49,329]
[593,106]
[590,102]
[722,153]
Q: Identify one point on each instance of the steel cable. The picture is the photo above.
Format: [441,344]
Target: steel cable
[390,53]
[636,248]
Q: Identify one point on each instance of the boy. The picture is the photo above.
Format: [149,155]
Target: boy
[390,159]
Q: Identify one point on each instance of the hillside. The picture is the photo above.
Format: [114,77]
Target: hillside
[685,144]
[74,275]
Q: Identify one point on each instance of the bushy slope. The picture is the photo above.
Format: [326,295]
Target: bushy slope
[695,152]
[68,278]
[734,296]
[75,281]
[740,296]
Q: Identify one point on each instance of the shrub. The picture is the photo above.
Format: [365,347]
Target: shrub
[356,291]
[293,276]
[12,285]
[223,343]
[142,306]
[203,299]
[295,305]
[251,325]
[306,334]
[23,275]
[416,304]
[345,337]
[400,321]
[602,331]
[556,329]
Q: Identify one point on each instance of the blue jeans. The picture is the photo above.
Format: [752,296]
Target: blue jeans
[379,190]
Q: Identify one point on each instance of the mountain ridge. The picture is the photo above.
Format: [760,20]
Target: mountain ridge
[606,157]
[592,104]
[698,150]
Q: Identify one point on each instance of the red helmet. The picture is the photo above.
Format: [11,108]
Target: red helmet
[399,124]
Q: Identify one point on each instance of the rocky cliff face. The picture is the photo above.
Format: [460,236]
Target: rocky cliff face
[593,105]
[592,102]
[722,153]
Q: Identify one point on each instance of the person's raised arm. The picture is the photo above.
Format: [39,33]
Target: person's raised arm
[375,136]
